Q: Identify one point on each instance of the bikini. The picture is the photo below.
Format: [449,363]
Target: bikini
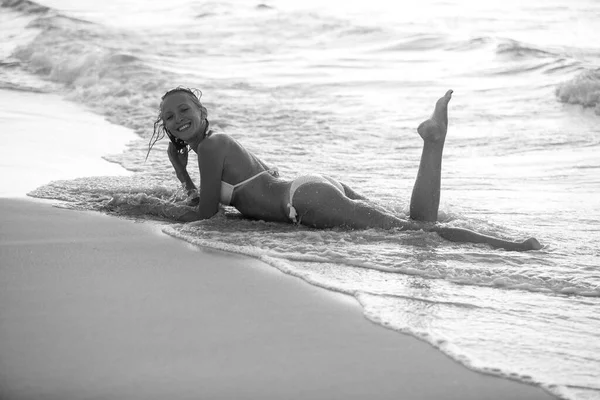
[303,180]
[227,188]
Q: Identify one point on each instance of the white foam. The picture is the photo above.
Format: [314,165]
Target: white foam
[45,138]
[584,89]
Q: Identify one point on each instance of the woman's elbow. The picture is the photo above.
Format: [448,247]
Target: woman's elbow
[202,213]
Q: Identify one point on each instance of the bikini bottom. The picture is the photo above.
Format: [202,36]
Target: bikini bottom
[303,180]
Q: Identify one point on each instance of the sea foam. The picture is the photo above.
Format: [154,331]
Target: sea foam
[584,89]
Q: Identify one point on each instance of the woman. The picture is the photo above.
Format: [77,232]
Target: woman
[232,175]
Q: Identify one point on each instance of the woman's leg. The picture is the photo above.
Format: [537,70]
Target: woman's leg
[320,205]
[467,236]
[425,199]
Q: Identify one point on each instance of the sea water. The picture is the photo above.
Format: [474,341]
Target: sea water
[338,87]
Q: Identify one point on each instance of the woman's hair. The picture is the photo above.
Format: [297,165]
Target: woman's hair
[159,124]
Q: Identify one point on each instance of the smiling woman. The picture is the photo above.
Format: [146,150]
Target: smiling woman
[232,175]
[186,115]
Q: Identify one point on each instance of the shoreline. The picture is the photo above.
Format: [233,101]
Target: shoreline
[97,306]
[51,128]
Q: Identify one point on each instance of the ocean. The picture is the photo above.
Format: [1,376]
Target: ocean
[339,87]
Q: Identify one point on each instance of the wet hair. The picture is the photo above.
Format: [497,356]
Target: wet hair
[159,124]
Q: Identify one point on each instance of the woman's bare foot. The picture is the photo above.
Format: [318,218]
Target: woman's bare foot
[434,129]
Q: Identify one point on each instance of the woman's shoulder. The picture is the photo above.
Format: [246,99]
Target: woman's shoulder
[224,146]
[214,137]
[216,141]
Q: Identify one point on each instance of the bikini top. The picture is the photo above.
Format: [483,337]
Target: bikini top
[227,188]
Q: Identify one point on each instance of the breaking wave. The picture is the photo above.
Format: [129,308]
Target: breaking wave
[584,89]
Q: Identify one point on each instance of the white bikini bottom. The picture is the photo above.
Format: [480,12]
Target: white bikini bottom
[304,179]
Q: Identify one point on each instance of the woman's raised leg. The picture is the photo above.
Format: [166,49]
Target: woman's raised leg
[425,199]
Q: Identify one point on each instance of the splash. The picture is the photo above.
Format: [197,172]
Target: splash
[584,90]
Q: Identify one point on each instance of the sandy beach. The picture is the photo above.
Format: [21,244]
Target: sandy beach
[22,171]
[93,306]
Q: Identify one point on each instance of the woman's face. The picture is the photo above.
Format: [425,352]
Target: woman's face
[182,117]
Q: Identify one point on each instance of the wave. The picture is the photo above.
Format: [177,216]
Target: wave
[417,43]
[262,6]
[68,48]
[471,44]
[515,49]
[514,57]
[506,47]
[520,57]
[88,63]
[584,89]
[19,87]
[25,6]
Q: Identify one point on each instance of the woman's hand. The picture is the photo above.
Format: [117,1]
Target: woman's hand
[181,159]
[193,198]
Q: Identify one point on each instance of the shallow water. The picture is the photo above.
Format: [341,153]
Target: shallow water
[338,88]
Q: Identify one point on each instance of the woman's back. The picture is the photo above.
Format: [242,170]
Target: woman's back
[260,198]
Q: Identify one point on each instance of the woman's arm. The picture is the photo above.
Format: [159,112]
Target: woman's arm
[179,162]
[211,160]
[210,175]
[172,211]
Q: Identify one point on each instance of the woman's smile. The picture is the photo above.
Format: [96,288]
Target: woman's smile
[183,127]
